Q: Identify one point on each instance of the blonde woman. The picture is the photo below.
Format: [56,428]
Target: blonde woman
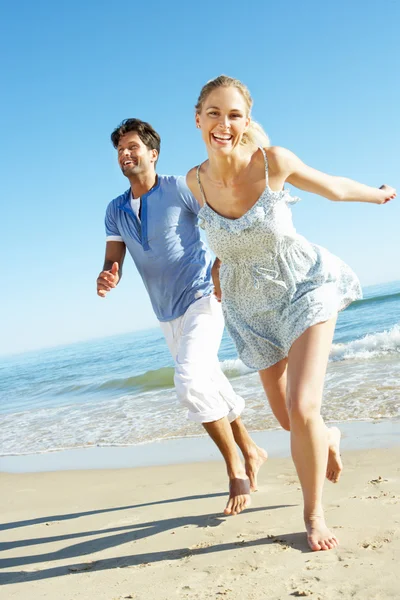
[280,293]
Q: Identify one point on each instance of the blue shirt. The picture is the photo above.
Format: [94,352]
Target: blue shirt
[165,245]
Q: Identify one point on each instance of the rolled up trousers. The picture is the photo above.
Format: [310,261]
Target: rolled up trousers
[193,340]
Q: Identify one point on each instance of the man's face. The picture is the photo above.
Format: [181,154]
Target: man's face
[134,157]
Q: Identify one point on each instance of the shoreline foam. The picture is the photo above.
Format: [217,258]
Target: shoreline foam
[356,435]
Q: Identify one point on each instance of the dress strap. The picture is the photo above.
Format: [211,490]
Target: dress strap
[203,196]
[266,164]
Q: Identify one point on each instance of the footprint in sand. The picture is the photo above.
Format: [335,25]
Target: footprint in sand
[278,544]
[387,497]
[378,480]
[201,545]
[84,567]
[377,542]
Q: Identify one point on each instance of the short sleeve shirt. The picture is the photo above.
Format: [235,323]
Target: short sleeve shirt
[165,244]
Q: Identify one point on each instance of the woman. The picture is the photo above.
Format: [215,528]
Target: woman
[280,294]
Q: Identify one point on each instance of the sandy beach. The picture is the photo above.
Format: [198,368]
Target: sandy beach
[159,532]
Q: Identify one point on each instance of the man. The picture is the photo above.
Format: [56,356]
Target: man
[156,220]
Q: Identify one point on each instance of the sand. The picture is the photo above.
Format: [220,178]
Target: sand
[159,533]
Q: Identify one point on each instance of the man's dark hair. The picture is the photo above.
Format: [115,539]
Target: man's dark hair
[147,134]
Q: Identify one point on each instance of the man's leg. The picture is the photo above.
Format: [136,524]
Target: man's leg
[239,485]
[210,401]
[254,456]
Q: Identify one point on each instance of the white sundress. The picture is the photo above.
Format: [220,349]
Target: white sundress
[274,283]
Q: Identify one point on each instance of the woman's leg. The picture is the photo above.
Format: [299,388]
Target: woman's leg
[274,380]
[307,362]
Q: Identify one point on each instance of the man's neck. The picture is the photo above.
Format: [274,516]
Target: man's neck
[142,184]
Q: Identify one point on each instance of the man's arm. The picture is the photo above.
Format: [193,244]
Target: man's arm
[112,268]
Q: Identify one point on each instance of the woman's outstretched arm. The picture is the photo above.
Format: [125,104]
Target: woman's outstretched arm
[342,189]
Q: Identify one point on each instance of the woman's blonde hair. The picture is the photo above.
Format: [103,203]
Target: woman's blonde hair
[254,134]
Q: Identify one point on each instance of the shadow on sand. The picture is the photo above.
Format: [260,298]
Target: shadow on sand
[115,536]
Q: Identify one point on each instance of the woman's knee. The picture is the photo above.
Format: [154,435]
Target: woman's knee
[302,408]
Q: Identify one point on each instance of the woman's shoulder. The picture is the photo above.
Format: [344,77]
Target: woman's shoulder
[191,178]
[192,173]
[279,158]
[277,153]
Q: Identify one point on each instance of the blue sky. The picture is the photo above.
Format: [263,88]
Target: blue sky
[325,79]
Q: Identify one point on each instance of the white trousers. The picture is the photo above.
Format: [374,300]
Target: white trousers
[194,340]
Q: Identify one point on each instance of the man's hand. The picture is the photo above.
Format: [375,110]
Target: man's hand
[107,280]
[215,278]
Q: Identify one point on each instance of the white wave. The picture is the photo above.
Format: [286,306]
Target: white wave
[235,368]
[370,346]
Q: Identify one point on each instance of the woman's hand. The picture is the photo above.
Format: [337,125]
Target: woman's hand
[215,278]
[389,194]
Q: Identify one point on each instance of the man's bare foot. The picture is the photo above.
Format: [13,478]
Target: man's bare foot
[335,465]
[239,496]
[252,463]
[319,537]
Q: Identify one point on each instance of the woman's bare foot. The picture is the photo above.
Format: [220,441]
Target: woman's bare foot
[252,462]
[335,465]
[239,496]
[319,537]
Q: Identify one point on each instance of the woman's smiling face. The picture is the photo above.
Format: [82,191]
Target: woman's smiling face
[223,119]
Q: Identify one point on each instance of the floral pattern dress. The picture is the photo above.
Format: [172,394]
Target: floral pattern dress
[275,284]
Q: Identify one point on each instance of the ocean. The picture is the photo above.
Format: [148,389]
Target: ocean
[118,391]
